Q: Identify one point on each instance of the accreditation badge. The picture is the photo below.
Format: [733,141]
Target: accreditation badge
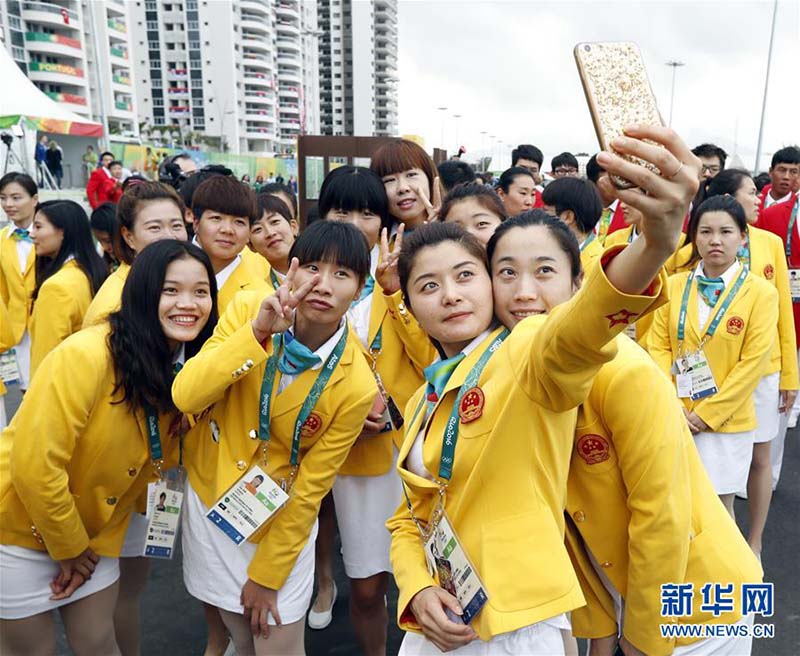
[164,503]
[9,370]
[455,573]
[248,505]
[630,331]
[794,284]
[695,379]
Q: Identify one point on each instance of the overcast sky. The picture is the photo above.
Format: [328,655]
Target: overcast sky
[507,68]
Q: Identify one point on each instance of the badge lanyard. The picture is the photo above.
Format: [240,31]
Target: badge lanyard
[450,437]
[274,279]
[154,439]
[712,327]
[792,221]
[308,405]
[745,259]
[587,241]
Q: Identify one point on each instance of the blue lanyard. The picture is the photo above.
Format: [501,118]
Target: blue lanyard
[712,327]
[746,258]
[268,383]
[274,279]
[587,241]
[154,438]
[792,221]
[450,437]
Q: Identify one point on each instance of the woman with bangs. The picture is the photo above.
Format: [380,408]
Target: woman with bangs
[367,489]
[283,386]
[476,208]
[411,181]
[478,473]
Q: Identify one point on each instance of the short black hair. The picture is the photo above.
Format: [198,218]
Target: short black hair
[354,188]
[189,185]
[762,180]
[104,218]
[22,179]
[527,151]
[454,172]
[485,196]
[226,195]
[564,159]
[275,187]
[508,176]
[710,150]
[110,154]
[116,162]
[578,195]
[270,204]
[788,155]
[593,169]
[333,241]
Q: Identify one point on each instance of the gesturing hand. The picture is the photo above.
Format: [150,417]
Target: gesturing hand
[277,310]
[429,607]
[386,273]
[696,425]
[74,573]
[432,210]
[662,199]
[258,603]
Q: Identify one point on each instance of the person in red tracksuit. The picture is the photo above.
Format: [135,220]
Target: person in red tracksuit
[784,172]
[105,184]
[530,157]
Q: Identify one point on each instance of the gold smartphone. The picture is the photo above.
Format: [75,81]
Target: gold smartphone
[618,92]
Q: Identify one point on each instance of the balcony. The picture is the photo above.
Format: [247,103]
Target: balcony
[257,78]
[289,44]
[255,7]
[178,92]
[256,45]
[290,75]
[50,14]
[177,74]
[289,92]
[256,65]
[259,116]
[67,98]
[259,101]
[55,44]
[256,24]
[289,125]
[287,10]
[56,73]
[123,105]
[286,27]
[117,25]
[179,111]
[120,53]
[288,108]
[118,78]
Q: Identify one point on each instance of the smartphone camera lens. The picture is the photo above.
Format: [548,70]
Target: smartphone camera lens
[587,48]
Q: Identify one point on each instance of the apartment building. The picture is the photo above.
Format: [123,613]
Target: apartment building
[358,67]
[78,52]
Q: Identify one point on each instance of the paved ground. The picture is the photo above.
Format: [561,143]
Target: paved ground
[184,634]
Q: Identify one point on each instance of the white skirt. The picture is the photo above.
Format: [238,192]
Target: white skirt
[215,569]
[726,457]
[363,505]
[540,639]
[23,351]
[135,537]
[723,646]
[766,399]
[25,576]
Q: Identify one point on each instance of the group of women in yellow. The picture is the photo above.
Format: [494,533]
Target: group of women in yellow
[454,382]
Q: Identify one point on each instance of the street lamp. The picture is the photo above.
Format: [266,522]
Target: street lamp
[675,65]
[441,134]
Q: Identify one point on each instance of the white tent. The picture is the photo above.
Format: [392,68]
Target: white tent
[26,111]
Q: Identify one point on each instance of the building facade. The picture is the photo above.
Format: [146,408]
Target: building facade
[358,67]
[77,52]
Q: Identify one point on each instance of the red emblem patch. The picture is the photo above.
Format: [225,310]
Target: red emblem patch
[593,449]
[735,325]
[471,407]
[769,272]
[311,425]
[623,317]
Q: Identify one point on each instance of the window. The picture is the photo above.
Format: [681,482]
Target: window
[195,44]
[169,26]
[197,84]
[158,102]
[152,25]
[193,25]
[157,83]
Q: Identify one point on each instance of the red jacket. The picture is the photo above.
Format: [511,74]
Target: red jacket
[102,188]
[776,219]
[763,197]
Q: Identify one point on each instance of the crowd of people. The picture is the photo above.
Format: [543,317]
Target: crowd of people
[530,400]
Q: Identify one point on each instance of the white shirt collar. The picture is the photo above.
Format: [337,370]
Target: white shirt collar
[222,276]
[374,256]
[324,351]
[613,206]
[727,276]
[769,201]
[179,357]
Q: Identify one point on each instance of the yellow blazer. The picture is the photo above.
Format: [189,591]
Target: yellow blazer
[641,503]
[590,254]
[6,336]
[242,278]
[108,298]
[768,261]
[16,287]
[58,310]
[738,353]
[218,379]
[506,495]
[405,352]
[77,483]
[256,263]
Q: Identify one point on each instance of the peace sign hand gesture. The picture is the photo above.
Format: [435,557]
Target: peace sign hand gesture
[277,310]
[431,209]
[386,274]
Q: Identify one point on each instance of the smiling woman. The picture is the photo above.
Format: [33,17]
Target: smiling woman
[80,486]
